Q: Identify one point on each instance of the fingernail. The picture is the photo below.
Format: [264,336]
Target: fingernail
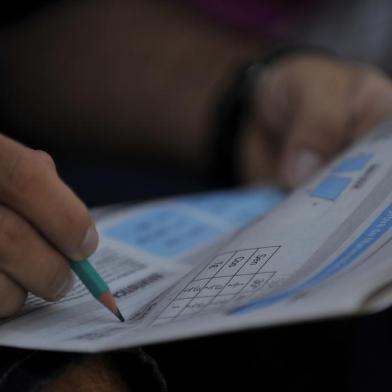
[90,242]
[64,288]
[304,165]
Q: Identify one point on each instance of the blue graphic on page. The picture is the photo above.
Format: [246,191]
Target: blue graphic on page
[163,231]
[331,187]
[379,227]
[237,207]
[355,163]
[175,229]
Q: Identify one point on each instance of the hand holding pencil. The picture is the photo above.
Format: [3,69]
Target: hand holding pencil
[43,225]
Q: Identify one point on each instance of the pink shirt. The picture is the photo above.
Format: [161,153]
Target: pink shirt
[266,16]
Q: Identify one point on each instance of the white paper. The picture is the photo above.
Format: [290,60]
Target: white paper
[206,264]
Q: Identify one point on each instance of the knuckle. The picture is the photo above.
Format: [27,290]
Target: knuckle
[12,306]
[21,174]
[12,230]
[55,282]
[13,297]
[46,158]
[372,87]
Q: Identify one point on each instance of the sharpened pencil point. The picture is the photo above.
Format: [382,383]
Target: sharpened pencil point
[119,315]
[107,300]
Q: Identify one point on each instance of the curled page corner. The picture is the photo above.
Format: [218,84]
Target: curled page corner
[377,299]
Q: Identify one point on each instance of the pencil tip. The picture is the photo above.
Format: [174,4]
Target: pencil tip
[107,300]
[119,315]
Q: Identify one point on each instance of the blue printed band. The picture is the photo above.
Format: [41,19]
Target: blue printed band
[374,232]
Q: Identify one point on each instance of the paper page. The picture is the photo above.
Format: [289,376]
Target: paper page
[321,253]
[143,251]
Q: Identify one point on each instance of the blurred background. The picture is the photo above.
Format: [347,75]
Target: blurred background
[119,92]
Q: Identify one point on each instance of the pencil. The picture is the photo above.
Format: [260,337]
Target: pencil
[96,285]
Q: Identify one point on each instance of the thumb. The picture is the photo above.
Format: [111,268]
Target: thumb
[326,123]
[311,142]
[298,165]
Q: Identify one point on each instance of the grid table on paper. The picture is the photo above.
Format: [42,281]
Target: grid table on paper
[227,277]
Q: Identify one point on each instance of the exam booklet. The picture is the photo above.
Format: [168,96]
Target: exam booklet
[231,260]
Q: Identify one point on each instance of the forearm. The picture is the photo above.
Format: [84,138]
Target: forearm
[130,77]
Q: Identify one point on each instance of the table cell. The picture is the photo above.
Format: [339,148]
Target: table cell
[257,260]
[214,266]
[214,286]
[160,321]
[236,262]
[192,289]
[258,281]
[222,300]
[243,296]
[236,284]
[195,306]
[174,308]
[276,281]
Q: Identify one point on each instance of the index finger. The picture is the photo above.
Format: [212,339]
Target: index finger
[30,186]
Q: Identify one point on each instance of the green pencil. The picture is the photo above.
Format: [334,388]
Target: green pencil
[96,285]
